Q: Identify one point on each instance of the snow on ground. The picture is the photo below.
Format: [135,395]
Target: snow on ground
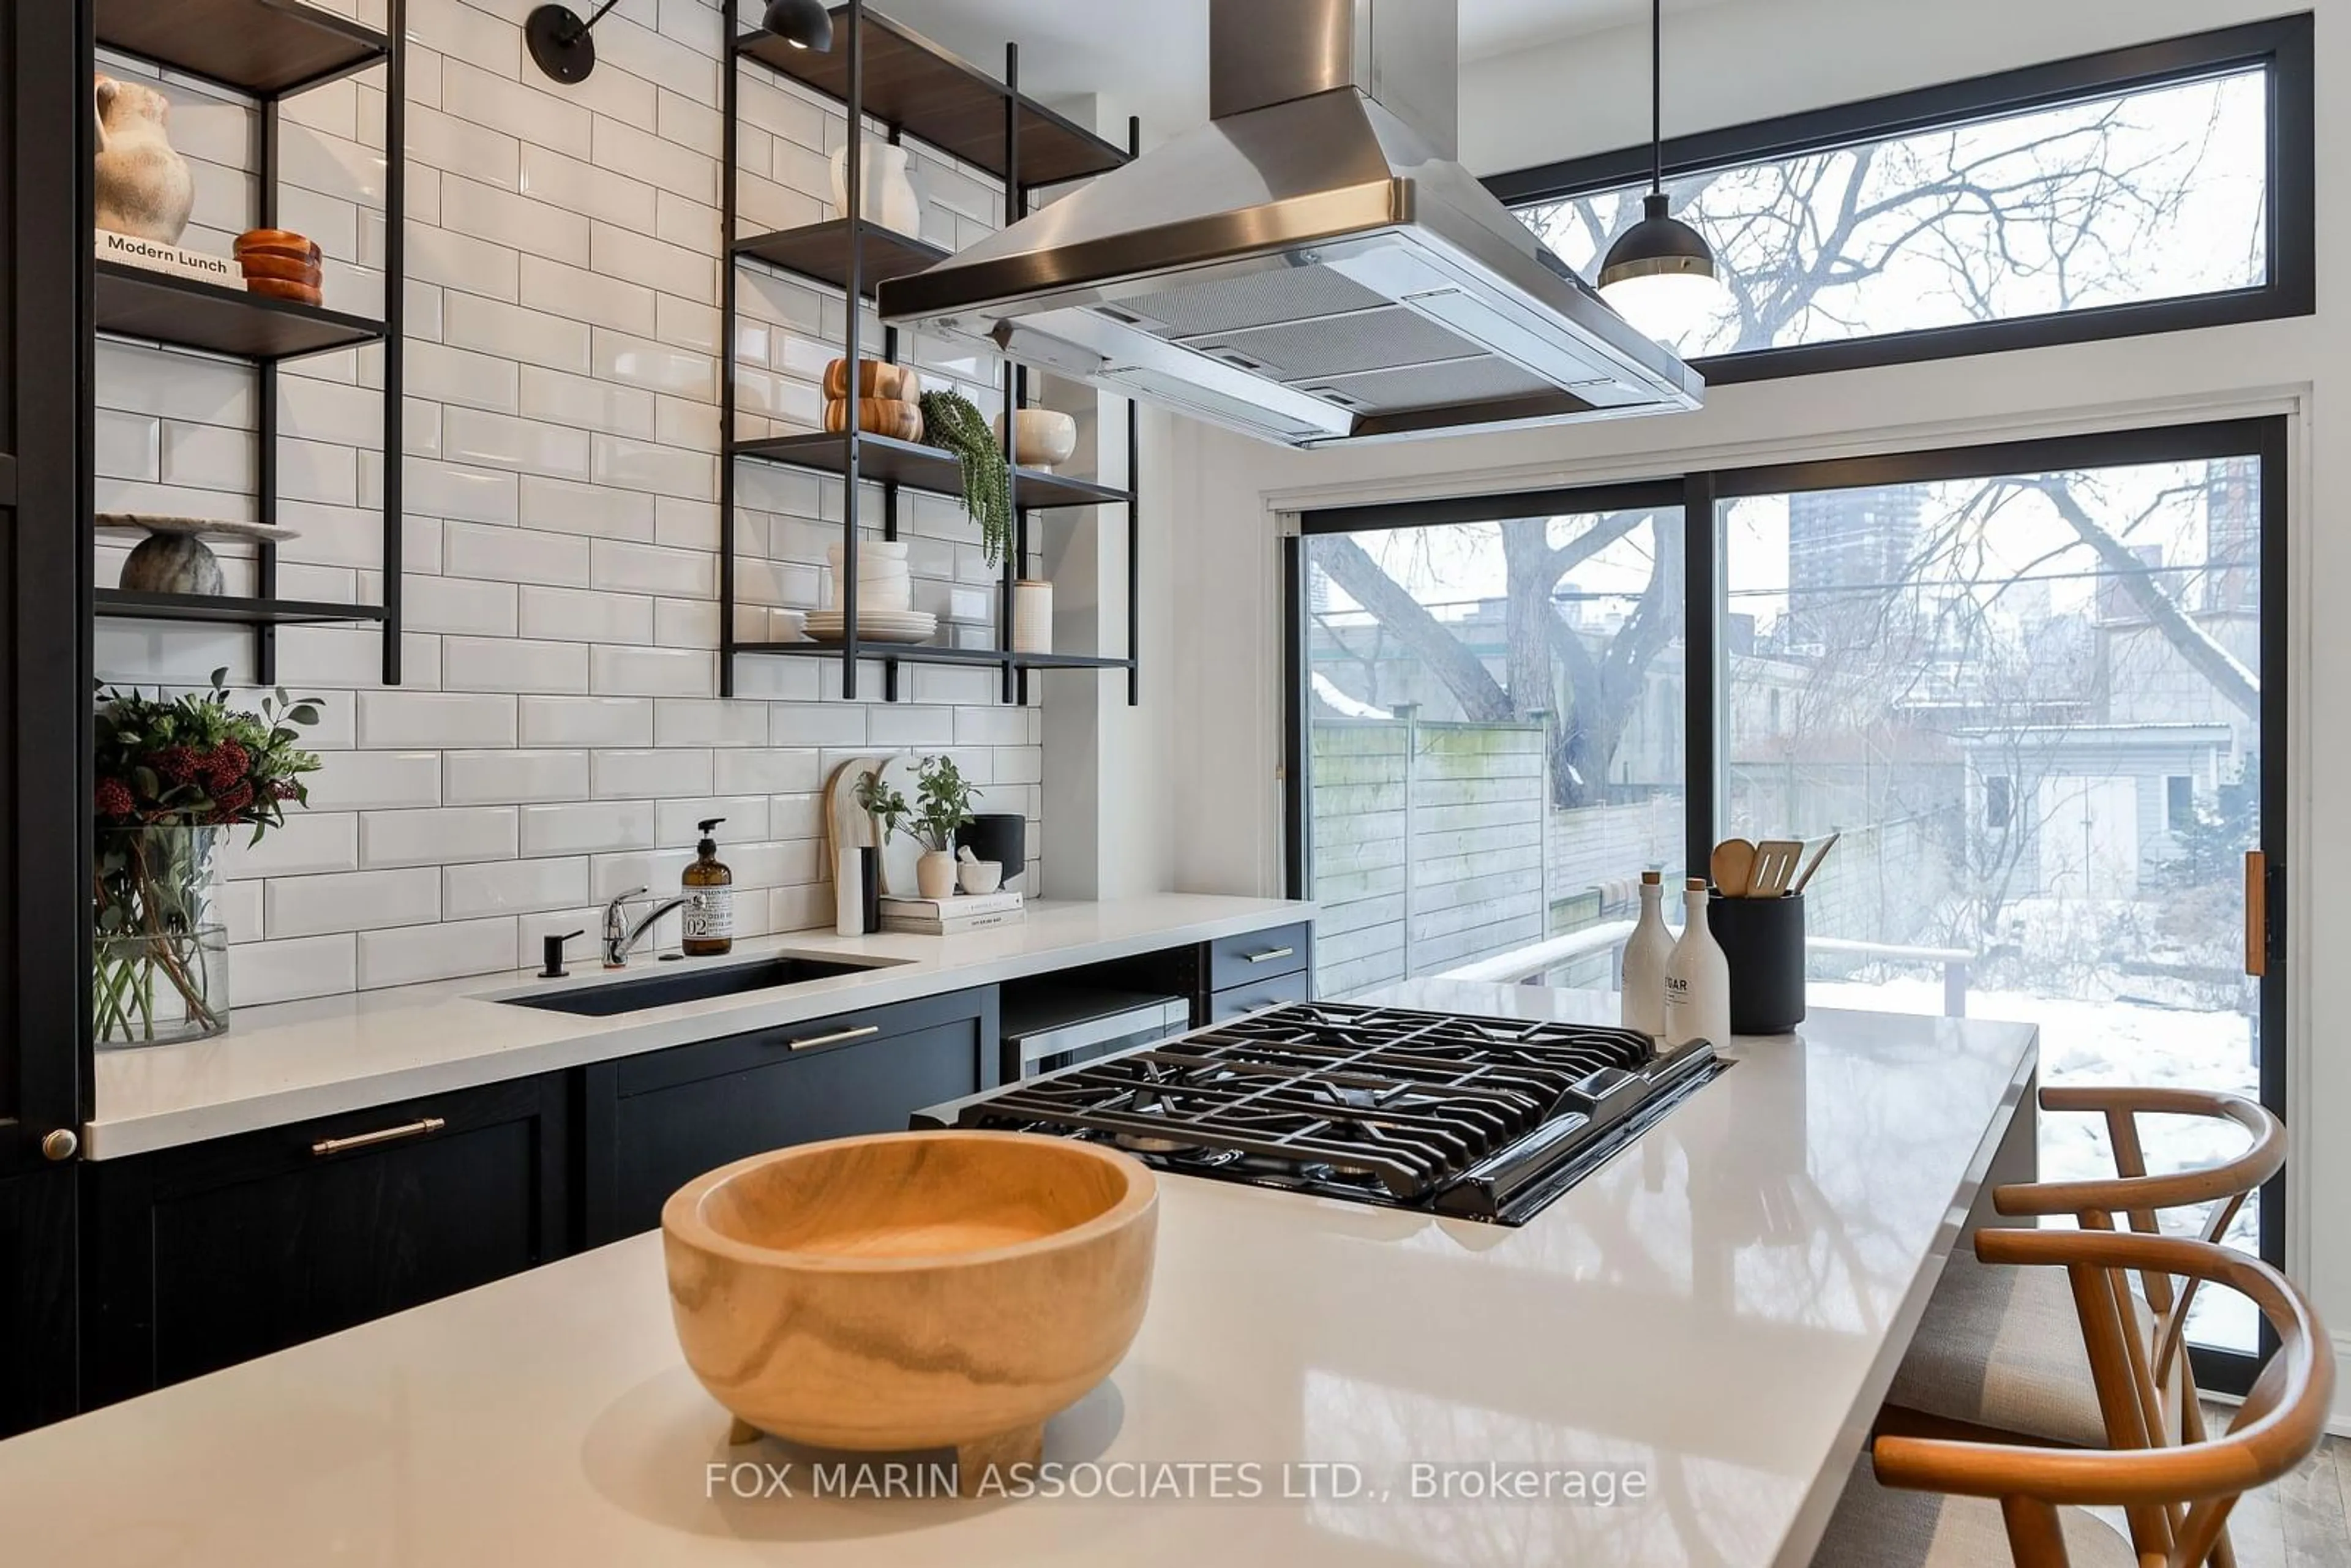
[2116,1042]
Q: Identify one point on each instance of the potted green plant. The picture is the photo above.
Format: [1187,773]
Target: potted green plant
[953,423]
[173,776]
[943,802]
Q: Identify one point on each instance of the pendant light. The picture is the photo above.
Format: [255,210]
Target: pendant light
[1660,274]
[802,24]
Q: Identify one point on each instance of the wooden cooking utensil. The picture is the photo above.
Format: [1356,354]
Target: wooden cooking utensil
[1818,856]
[1775,863]
[1733,864]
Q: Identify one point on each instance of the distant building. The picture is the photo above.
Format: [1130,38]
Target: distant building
[1844,548]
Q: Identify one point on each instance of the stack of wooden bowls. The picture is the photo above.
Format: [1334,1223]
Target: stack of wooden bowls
[280,263]
[889,398]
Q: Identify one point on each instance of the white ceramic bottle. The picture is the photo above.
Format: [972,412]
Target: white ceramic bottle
[1697,979]
[1641,984]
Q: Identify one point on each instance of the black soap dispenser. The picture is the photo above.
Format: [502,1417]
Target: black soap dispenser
[709,889]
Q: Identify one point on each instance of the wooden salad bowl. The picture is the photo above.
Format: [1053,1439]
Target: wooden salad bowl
[913,1290]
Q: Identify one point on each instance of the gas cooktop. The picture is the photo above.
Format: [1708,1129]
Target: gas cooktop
[1480,1118]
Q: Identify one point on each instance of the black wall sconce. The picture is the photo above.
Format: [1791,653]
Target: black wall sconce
[565,47]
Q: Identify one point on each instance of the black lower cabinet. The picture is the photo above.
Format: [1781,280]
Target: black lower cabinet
[651,1123]
[199,1257]
[38,1352]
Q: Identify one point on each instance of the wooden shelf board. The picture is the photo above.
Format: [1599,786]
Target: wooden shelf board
[933,95]
[132,302]
[821,251]
[222,609]
[920,467]
[264,47]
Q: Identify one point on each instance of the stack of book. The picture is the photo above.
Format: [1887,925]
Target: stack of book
[950,916]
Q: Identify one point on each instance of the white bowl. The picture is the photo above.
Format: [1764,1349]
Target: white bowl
[979,876]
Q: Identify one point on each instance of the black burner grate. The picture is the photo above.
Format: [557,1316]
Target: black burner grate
[1332,1095]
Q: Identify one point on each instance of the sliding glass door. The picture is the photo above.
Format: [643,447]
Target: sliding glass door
[1494,714]
[2031,688]
[2034,688]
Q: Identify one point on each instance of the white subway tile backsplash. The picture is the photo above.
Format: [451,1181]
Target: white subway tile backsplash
[587,827]
[513,887]
[574,615]
[369,780]
[745,821]
[310,842]
[889,725]
[655,671]
[686,721]
[520,111]
[512,664]
[462,604]
[513,555]
[415,954]
[535,445]
[565,399]
[287,971]
[768,770]
[513,777]
[210,457]
[646,774]
[351,901]
[586,721]
[436,489]
[581,187]
[566,506]
[492,326]
[406,720]
[619,566]
[446,835]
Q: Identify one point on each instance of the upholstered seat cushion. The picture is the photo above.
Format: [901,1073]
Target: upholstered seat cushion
[1888,1527]
[2002,1346]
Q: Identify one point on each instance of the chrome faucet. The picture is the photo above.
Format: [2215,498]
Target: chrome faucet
[619,935]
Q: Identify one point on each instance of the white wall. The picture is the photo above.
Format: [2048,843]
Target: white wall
[558,730]
[1737,62]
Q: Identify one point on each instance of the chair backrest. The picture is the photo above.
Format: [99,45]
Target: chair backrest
[2178,1497]
[2135,1198]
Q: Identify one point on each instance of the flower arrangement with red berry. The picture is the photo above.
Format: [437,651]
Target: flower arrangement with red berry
[194,761]
[171,773]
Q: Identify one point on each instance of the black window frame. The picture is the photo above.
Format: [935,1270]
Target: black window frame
[2283,45]
[1700,493]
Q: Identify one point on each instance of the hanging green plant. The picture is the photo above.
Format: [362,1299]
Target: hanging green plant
[952,423]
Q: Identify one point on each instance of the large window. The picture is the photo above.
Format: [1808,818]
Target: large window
[2152,188]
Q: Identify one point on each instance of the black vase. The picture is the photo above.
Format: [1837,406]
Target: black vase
[1001,836]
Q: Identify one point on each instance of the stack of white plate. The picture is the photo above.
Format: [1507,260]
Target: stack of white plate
[882,581]
[874,625]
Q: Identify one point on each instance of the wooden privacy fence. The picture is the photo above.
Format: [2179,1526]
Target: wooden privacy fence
[1428,842]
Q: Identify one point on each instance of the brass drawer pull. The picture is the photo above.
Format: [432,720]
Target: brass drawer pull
[1270,954]
[417,1129]
[833,1038]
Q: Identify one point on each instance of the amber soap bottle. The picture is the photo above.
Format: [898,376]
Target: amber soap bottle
[709,889]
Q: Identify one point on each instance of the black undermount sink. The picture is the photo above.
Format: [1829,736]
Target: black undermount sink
[684,982]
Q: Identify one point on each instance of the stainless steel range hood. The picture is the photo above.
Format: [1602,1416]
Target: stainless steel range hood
[1311,266]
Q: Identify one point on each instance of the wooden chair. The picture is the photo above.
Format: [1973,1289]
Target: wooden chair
[1999,1352]
[1925,1503]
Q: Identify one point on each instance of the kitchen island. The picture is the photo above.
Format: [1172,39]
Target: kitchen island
[1699,1332]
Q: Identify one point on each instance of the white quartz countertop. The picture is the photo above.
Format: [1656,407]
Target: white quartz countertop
[299,1059]
[1717,1311]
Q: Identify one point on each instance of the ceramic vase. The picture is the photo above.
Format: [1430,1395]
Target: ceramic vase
[889,199]
[934,874]
[144,189]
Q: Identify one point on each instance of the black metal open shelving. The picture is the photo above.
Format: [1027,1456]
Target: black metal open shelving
[266,50]
[880,69]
